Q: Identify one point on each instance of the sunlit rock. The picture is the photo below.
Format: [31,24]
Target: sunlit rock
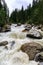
[31,49]
[34,34]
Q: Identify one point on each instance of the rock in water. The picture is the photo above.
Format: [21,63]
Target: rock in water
[6,47]
[28,27]
[42,29]
[12,44]
[19,24]
[31,49]
[3,43]
[6,28]
[39,57]
[34,34]
[25,30]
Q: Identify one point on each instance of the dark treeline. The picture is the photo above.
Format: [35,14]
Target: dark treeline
[33,14]
[4,13]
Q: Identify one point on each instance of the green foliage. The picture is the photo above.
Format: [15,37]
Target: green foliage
[33,14]
[37,16]
[3,14]
[13,16]
[30,15]
[0,5]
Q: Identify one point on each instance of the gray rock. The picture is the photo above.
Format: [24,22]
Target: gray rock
[28,27]
[3,43]
[19,24]
[12,44]
[39,57]
[34,34]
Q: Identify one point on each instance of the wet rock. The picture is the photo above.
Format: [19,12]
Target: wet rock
[3,43]
[19,24]
[28,27]
[6,48]
[6,28]
[12,44]
[42,29]
[34,34]
[25,30]
[39,26]
[31,49]
[39,57]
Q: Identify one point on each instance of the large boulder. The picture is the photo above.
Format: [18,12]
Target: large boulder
[3,43]
[34,34]
[31,49]
[39,57]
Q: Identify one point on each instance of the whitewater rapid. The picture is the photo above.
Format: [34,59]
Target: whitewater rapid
[13,55]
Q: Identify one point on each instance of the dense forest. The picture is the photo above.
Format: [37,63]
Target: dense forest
[33,14]
[4,13]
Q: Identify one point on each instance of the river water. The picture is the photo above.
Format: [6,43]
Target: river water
[13,55]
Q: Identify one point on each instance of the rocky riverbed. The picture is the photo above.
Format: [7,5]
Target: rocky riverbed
[22,45]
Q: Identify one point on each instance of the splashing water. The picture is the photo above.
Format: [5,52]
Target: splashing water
[13,55]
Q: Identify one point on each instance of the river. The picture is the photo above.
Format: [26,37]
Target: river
[12,55]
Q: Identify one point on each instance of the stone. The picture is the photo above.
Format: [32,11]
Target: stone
[28,27]
[39,26]
[31,49]
[19,24]
[6,28]
[42,29]
[3,43]
[12,44]
[39,57]
[34,34]
[25,30]
[6,47]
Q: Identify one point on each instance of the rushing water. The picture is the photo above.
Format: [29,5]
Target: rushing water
[13,55]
